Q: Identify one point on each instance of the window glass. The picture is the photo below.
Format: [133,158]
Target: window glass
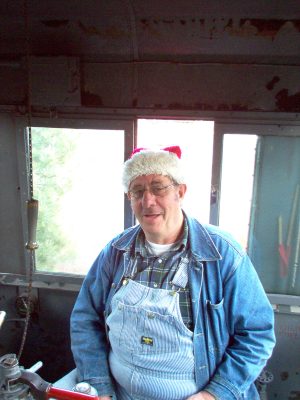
[275,224]
[77,181]
[196,141]
[237,184]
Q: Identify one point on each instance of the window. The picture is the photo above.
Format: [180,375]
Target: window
[76,177]
[275,222]
[77,180]
[260,200]
[196,141]
[237,184]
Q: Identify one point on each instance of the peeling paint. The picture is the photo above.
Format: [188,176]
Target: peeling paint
[210,107]
[270,85]
[178,106]
[284,375]
[246,30]
[110,32]
[250,27]
[55,23]
[267,28]
[270,27]
[232,107]
[91,99]
[296,24]
[146,24]
[284,102]
[168,21]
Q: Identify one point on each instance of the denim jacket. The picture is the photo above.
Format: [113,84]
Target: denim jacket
[233,319]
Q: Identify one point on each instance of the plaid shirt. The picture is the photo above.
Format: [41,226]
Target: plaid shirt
[159,271]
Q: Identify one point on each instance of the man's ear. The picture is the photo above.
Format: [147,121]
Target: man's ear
[182,190]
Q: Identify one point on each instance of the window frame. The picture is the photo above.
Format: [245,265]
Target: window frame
[49,280]
[128,123]
[281,302]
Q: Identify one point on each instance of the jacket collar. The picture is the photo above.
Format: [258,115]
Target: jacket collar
[200,241]
[126,240]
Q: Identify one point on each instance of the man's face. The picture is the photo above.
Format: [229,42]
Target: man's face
[158,213]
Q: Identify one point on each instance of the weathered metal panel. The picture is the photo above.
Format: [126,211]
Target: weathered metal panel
[12,83]
[150,85]
[284,363]
[197,87]
[162,30]
[11,244]
[108,85]
[55,81]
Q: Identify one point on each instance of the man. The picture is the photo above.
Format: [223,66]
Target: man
[170,309]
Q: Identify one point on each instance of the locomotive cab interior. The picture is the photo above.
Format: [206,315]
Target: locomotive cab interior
[85,82]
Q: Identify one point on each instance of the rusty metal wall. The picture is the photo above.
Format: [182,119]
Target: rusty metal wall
[62,81]
[188,55]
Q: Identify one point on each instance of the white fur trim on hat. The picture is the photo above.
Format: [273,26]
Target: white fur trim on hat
[148,162]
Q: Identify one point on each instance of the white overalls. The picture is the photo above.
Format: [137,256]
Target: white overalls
[151,355]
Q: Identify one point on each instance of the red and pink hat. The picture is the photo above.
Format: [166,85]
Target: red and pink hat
[166,161]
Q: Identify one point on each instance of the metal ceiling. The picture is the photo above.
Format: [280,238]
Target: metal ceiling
[192,31]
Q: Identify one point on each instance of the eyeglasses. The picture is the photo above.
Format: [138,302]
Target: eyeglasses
[155,190]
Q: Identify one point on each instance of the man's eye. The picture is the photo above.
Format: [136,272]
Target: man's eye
[138,193]
[157,189]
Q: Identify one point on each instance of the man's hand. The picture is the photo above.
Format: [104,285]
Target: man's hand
[202,396]
[105,398]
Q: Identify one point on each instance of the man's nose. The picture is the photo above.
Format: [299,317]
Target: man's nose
[148,198]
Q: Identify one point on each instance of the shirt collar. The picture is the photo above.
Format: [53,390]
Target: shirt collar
[200,240]
[140,242]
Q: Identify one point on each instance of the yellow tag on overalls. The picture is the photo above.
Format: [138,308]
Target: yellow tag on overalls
[147,340]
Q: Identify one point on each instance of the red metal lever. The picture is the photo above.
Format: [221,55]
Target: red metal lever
[42,390]
[62,394]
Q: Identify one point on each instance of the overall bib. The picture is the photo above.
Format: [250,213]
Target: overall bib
[151,355]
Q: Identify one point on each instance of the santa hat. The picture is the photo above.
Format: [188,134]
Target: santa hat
[166,161]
